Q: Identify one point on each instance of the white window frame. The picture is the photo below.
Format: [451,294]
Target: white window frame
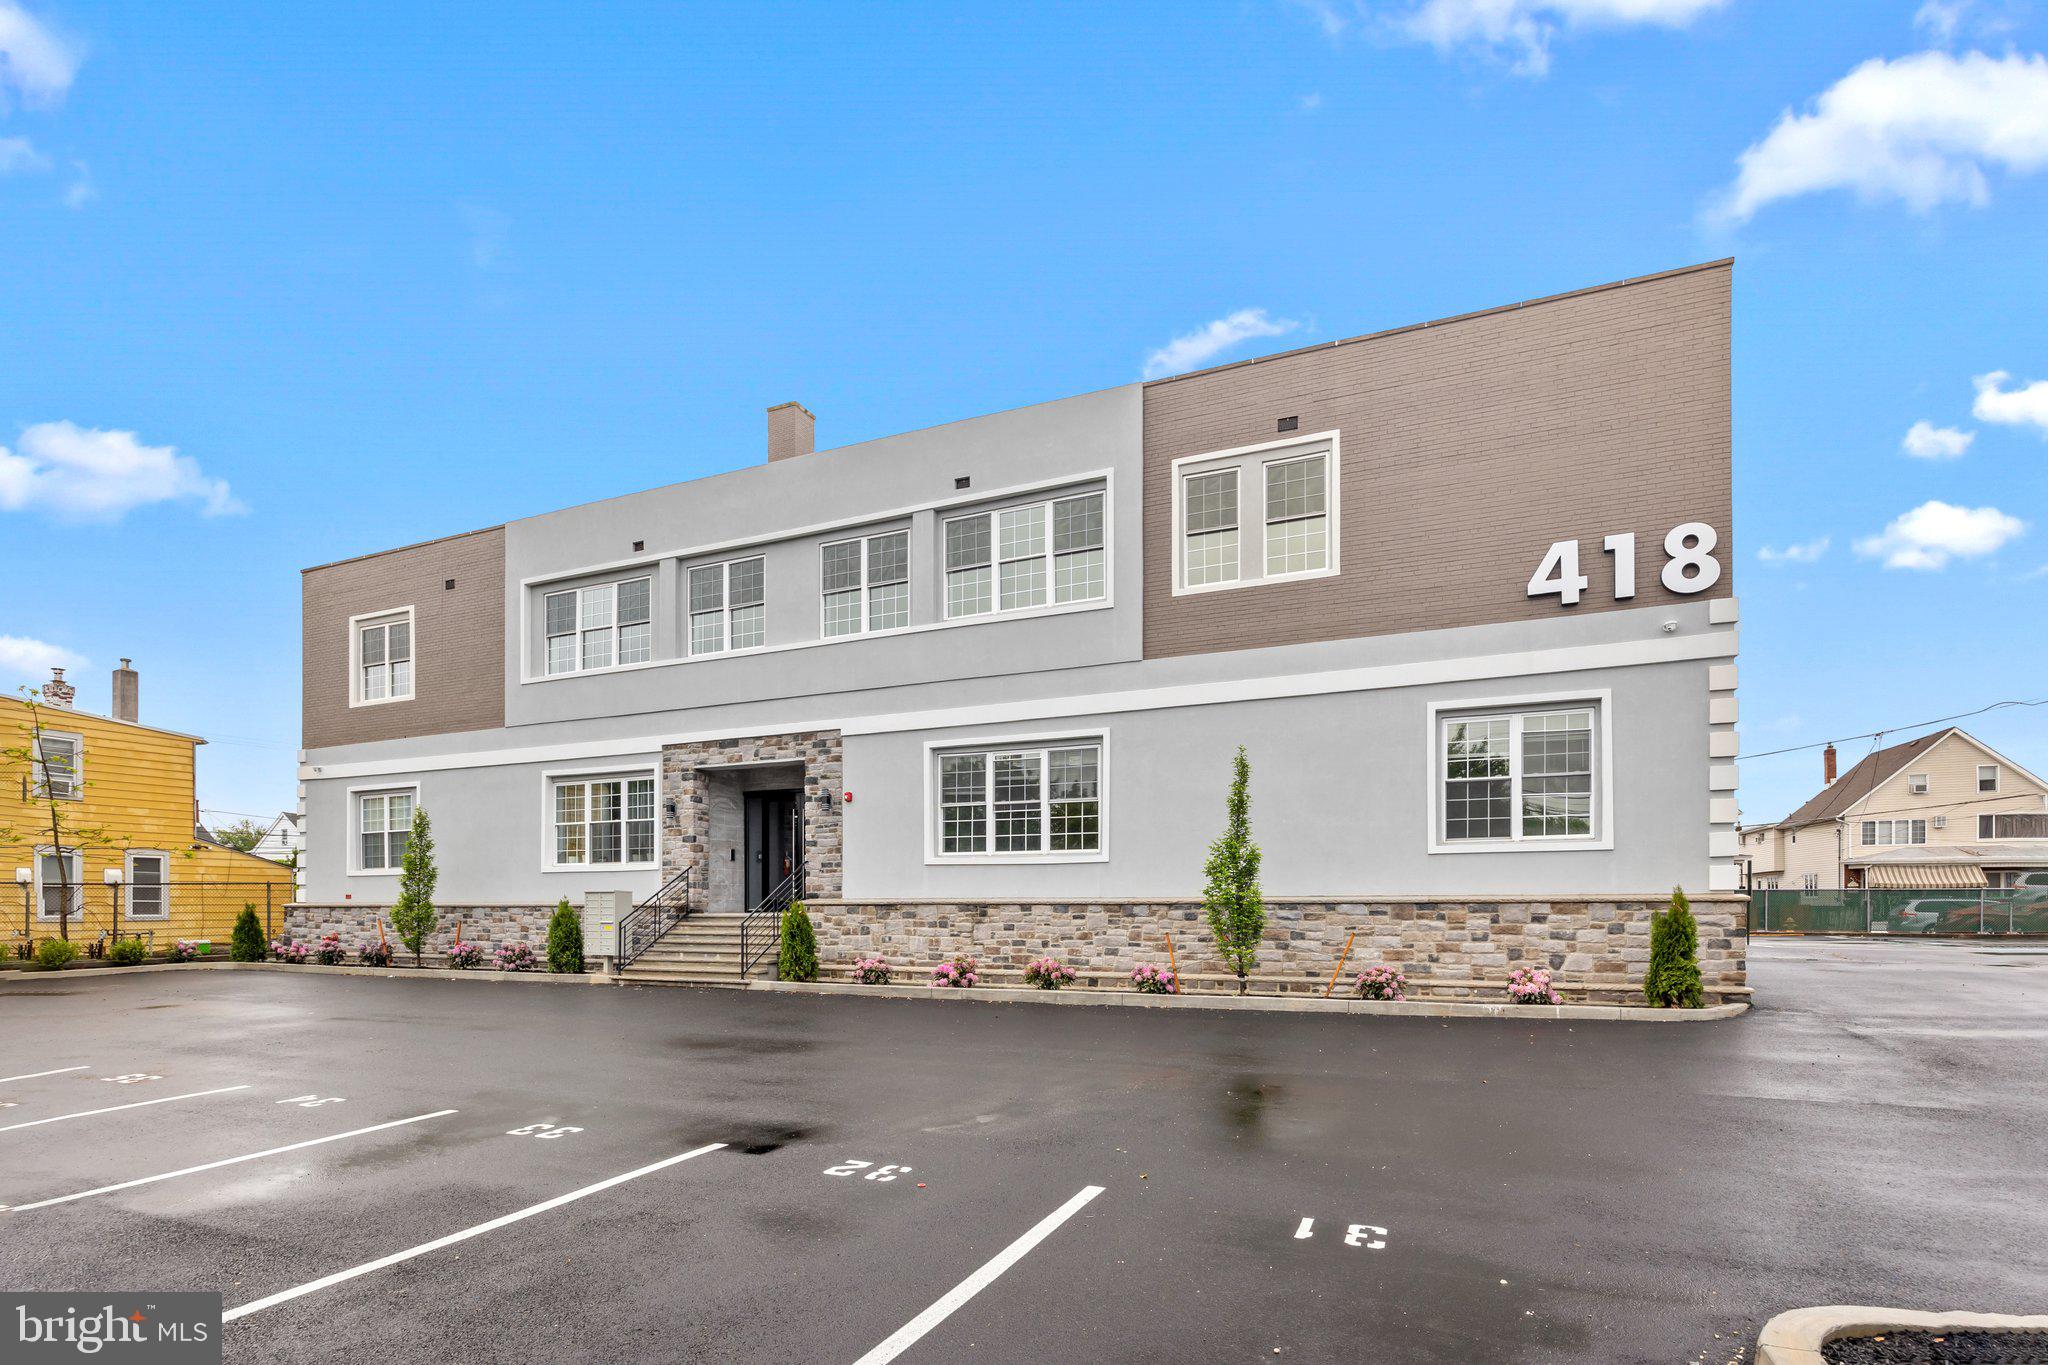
[1599,701]
[163,885]
[1993,815]
[1251,520]
[77,857]
[39,789]
[610,627]
[1877,833]
[355,825]
[371,620]
[1095,738]
[1048,557]
[866,587]
[553,778]
[724,611]
[1916,784]
[1996,776]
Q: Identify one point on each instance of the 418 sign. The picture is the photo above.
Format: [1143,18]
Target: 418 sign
[1689,564]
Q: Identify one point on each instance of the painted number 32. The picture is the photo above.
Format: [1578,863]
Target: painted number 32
[1689,564]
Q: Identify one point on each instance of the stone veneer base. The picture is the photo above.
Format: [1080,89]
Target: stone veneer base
[490,926]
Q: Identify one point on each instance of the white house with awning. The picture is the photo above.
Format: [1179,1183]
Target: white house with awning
[1944,811]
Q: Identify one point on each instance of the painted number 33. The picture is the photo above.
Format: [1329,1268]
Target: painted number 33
[1689,565]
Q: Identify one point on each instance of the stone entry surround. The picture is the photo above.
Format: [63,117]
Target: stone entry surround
[1582,940]
[491,926]
[687,773]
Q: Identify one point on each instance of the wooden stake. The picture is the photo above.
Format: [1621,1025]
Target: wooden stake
[1172,965]
[1340,965]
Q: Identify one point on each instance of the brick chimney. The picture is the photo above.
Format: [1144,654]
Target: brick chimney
[1827,765]
[127,693]
[792,431]
[57,692]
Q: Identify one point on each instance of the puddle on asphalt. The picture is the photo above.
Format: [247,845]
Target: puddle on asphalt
[759,1139]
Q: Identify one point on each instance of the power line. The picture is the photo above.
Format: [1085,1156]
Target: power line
[1893,730]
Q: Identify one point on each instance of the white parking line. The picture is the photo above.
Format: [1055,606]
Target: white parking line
[115,1108]
[33,1074]
[327,1281]
[907,1335]
[227,1161]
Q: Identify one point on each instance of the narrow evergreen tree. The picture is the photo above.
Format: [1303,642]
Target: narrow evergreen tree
[798,960]
[1673,981]
[246,944]
[413,913]
[565,940]
[1237,912]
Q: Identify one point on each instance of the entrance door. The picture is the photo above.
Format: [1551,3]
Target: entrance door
[774,841]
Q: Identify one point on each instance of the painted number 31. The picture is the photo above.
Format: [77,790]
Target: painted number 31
[1689,565]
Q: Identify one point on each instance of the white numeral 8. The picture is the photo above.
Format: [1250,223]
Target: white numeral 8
[1692,567]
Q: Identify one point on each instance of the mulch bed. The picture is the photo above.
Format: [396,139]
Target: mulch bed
[1940,1348]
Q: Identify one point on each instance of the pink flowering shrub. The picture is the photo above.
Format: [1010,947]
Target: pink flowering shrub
[517,957]
[329,952]
[184,950]
[463,956]
[376,954]
[1531,986]
[871,971]
[1151,980]
[961,971]
[1382,983]
[287,950]
[1048,974]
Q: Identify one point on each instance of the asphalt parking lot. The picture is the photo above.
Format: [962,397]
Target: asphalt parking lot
[398,1170]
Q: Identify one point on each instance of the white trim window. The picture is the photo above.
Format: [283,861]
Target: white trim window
[59,766]
[728,606]
[2012,825]
[1297,516]
[1020,558]
[1021,801]
[1877,832]
[1291,485]
[1518,776]
[1916,784]
[1987,777]
[603,822]
[51,879]
[865,584]
[384,828]
[383,650]
[604,625]
[149,896]
[1209,528]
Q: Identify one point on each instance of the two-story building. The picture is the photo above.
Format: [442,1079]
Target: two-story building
[1461,590]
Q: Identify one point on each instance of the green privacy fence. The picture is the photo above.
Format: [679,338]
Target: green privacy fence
[1992,910]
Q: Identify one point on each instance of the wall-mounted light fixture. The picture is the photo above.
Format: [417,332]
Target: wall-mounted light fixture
[112,876]
[23,876]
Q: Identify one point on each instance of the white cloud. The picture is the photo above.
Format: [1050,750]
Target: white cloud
[34,63]
[1924,130]
[1795,554]
[1935,532]
[21,657]
[81,191]
[1310,102]
[1195,349]
[79,474]
[1330,19]
[1938,18]
[1926,441]
[19,155]
[1521,31]
[2025,406]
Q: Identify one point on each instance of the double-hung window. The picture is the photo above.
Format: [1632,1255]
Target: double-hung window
[383,829]
[148,897]
[1517,776]
[600,626]
[604,821]
[2017,825]
[1987,777]
[1255,515]
[58,769]
[1209,526]
[1877,832]
[55,871]
[384,658]
[1038,554]
[1297,516]
[867,584]
[727,606]
[1020,801]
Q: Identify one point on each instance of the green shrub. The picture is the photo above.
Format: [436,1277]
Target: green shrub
[56,952]
[565,940]
[128,952]
[246,943]
[412,914]
[798,960]
[1673,981]
[1236,910]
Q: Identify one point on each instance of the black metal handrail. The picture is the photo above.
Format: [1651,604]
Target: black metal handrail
[643,925]
[761,929]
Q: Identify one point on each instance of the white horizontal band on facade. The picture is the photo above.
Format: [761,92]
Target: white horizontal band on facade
[1379,677]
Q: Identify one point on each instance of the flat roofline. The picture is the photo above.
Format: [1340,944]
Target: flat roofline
[399,549]
[1725,263]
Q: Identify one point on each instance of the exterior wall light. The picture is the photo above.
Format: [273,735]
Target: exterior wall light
[22,876]
[112,876]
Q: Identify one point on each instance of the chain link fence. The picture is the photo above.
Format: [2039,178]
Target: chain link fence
[1855,910]
[157,913]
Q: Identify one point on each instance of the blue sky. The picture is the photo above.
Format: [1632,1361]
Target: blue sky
[287,283]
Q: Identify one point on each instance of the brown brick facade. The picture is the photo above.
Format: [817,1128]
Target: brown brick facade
[458,639]
[1468,446]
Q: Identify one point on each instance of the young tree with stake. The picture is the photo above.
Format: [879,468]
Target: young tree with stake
[1237,912]
[413,913]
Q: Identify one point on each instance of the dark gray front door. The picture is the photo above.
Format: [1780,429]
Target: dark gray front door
[774,836]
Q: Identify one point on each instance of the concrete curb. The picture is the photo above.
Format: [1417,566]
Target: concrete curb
[1426,1009]
[415,973]
[1795,1338]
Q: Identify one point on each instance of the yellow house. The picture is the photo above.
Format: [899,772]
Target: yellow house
[107,808]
